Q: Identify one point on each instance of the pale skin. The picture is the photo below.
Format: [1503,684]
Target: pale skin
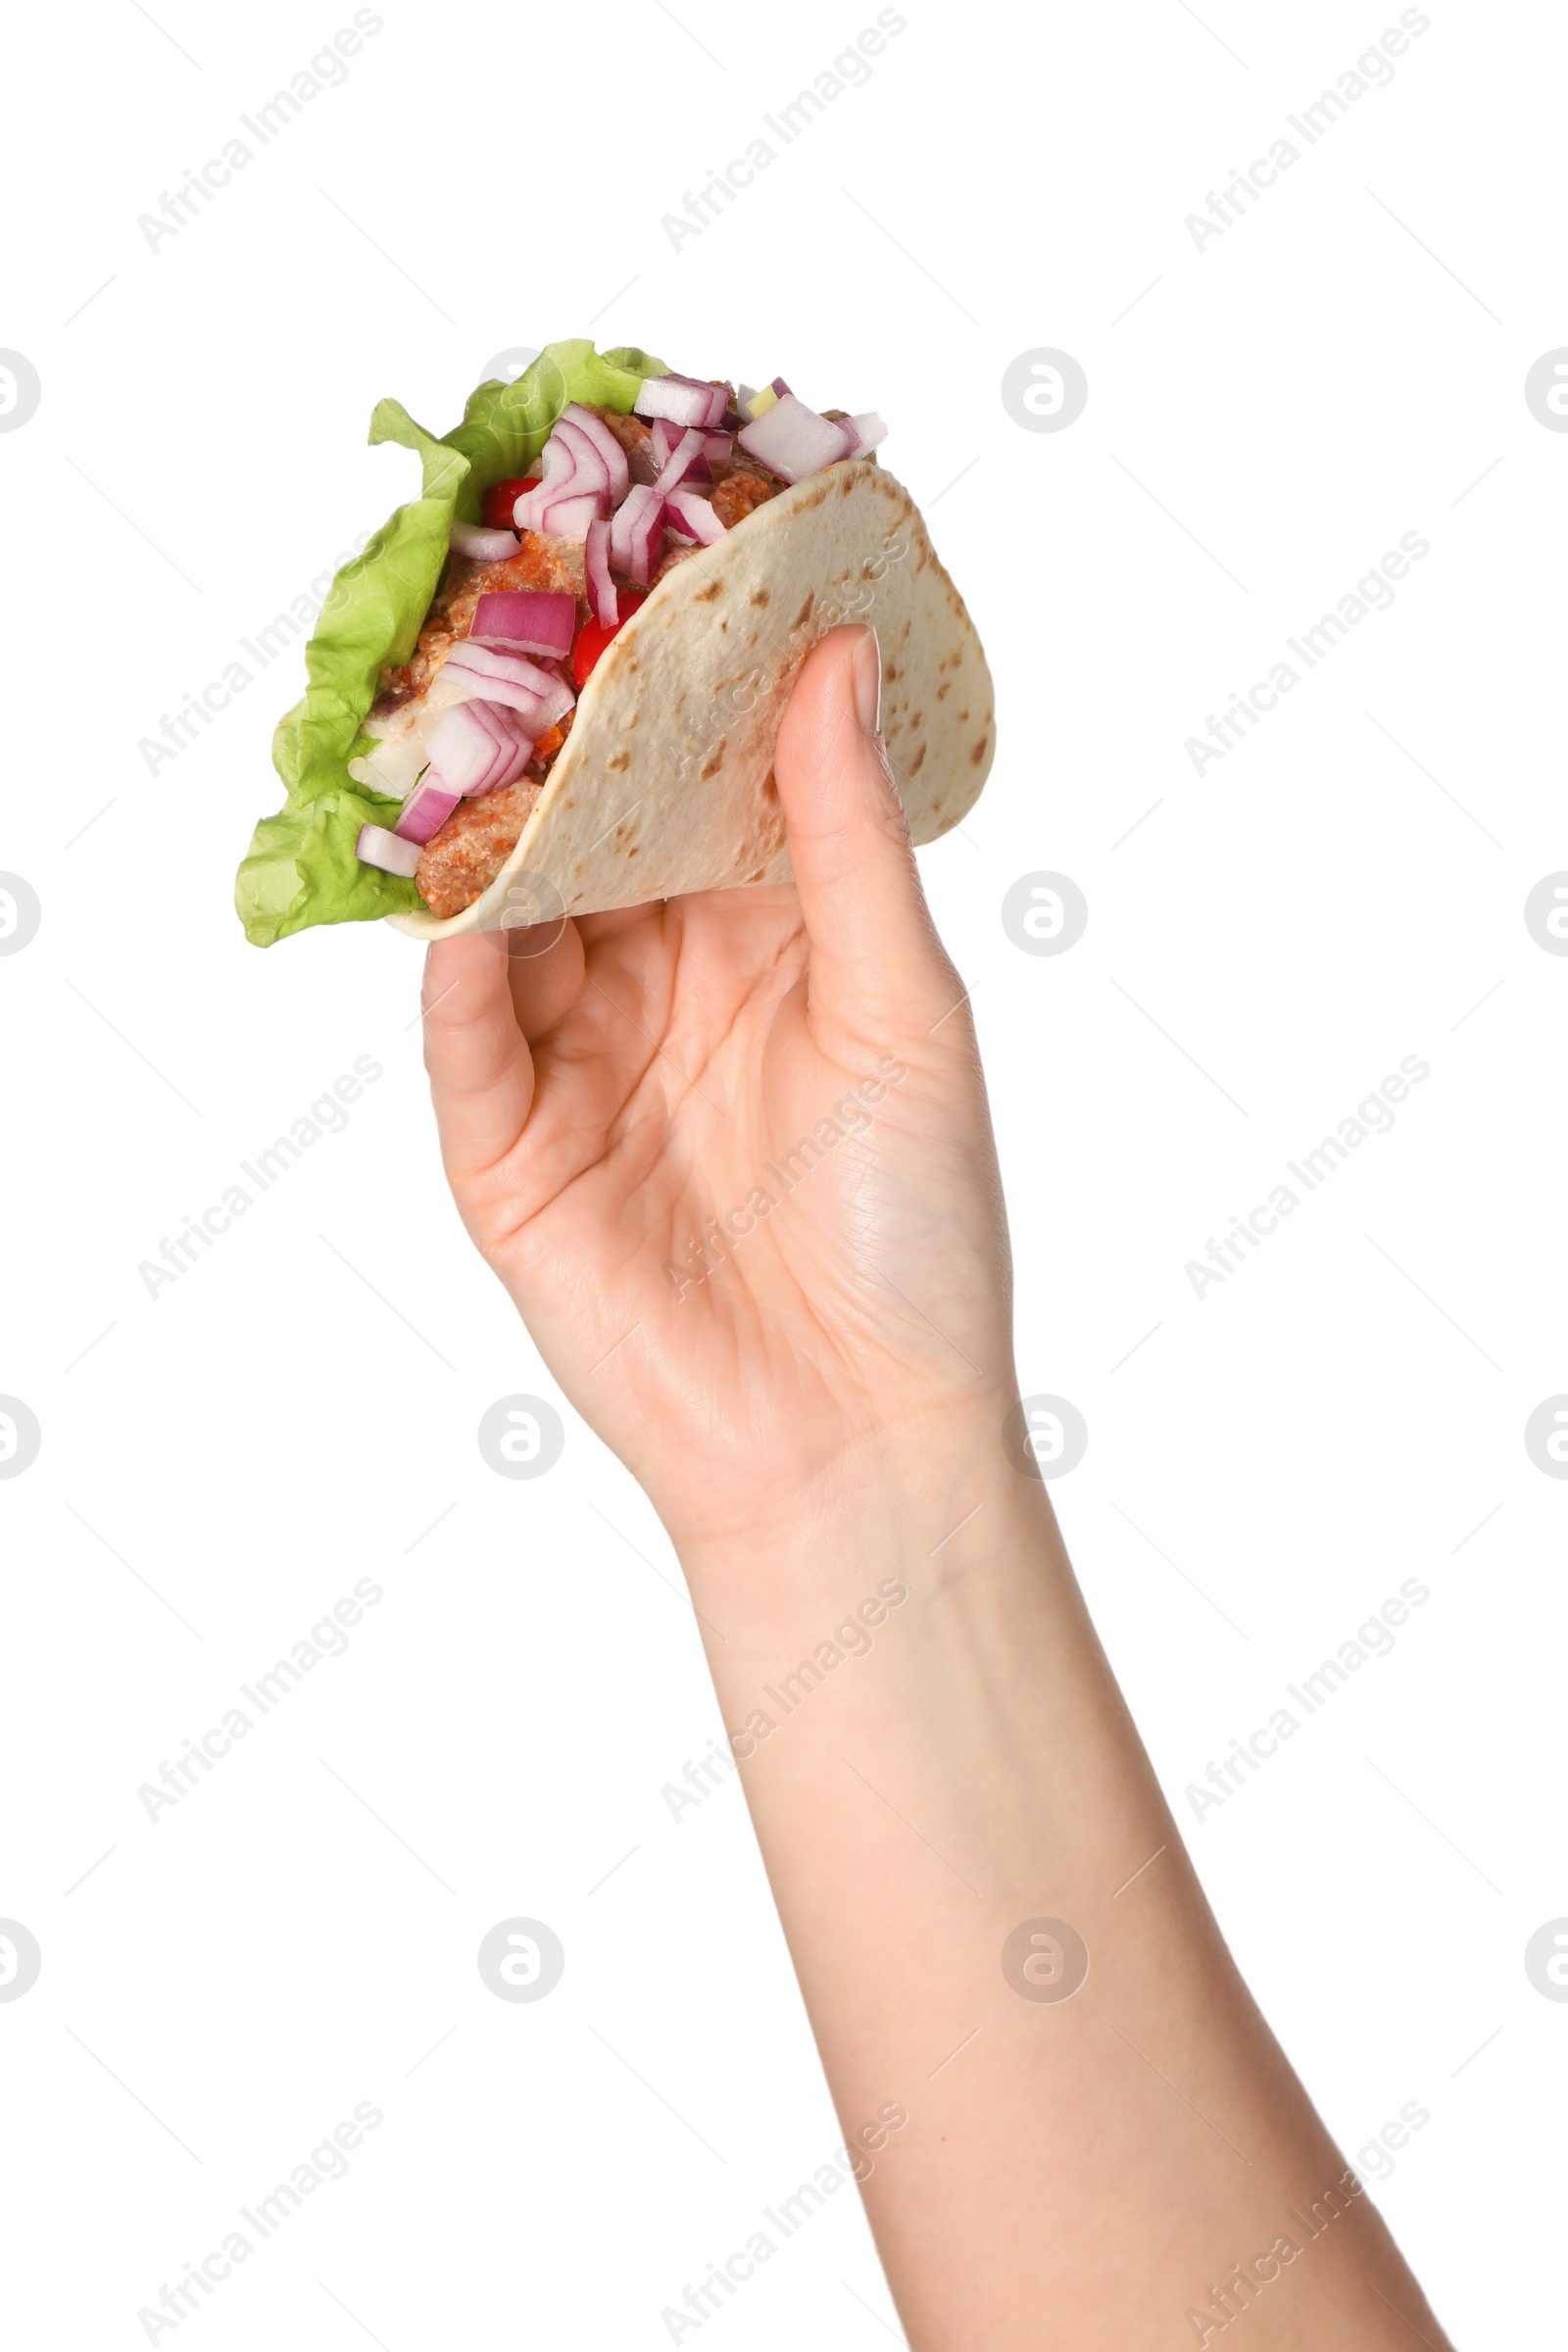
[816,1410]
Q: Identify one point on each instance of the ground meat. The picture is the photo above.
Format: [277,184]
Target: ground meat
[539,562]
[741,493]
[465,855]
[464,858]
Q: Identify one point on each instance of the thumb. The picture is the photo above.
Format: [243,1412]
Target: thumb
[865,914]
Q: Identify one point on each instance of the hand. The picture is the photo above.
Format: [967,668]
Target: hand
[731,1154]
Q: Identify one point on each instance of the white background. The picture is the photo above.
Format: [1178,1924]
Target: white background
[220,1463]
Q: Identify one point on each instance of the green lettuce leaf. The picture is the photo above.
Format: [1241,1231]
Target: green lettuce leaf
[300,868]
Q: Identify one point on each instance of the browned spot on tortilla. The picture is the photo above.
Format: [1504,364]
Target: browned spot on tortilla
[919,720]
[621,760]
[706,596]
[978,754]
[770,787]
[805,612]
[634,850]
[724,624]
[757,876]
[717,761]
[907,627]
[963,716]
[763,596]
[889,671]
[943,688]
[807,504]
[915,763]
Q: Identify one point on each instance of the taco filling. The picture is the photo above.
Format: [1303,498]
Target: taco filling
[466,729]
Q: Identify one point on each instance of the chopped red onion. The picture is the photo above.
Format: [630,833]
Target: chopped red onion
[525,620]
[782,389]
[380,848]
[682,399]
[794,440]
[604,441]
[482,546]
[663,441]
[691,514]
[592,474]
[687,452]
[869,431]
[568,517]
[558,472]
[718,448]
[491,675]
[637,533]
[428,807]
[601,587]
[477,747]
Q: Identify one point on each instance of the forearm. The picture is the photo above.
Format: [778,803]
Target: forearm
[964,1769]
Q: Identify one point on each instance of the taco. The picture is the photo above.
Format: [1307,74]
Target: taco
[552,683]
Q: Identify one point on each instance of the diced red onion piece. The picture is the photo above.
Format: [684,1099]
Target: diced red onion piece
[869,431]
[477,747]
[681,399]
[794,440]
[525,620]
[493,674]
[427,809]
[592,474]
[601,587]
[605,442]
[718,448]
[637,533]
[663,441]
[380,848]
[557,471]
[687,452]
[692,516]
[482,546]
[570,517]
[782,388]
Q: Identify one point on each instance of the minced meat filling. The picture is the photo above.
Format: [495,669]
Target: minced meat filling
[463,858]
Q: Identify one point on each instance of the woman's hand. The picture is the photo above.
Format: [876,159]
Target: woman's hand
[731,1154]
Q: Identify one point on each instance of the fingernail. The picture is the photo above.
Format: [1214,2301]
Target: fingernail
[868,681]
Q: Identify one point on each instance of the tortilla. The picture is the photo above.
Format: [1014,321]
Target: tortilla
[665,783]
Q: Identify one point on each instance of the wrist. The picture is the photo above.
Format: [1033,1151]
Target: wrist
[932,1505]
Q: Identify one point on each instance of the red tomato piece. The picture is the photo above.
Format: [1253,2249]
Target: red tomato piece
[502,497]
[592,638]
